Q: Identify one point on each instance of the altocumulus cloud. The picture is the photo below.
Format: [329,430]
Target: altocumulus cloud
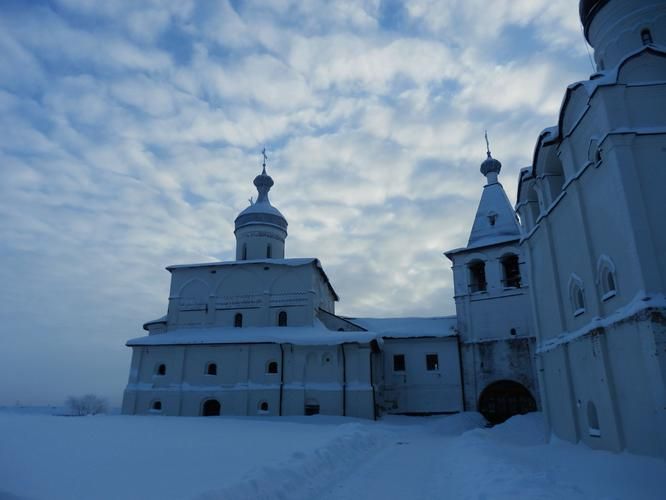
[131,131]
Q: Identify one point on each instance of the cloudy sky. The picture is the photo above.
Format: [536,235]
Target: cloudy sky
[130,133]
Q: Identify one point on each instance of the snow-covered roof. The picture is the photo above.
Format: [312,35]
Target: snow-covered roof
[273,262]
[495,219]
[300,335]
[442,326]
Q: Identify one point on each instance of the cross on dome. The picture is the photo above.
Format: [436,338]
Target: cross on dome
[490,166]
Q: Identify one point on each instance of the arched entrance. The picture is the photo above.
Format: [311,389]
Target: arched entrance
[211,408]
[504,399]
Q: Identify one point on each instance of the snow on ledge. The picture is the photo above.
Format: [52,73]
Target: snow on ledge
[301,335]
[442,326]
[640,302]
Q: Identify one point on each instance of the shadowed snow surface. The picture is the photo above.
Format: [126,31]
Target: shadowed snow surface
[50,457]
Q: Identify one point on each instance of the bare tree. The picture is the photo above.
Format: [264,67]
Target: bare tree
[88,404]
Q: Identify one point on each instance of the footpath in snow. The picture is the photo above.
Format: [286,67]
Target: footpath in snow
[454,457]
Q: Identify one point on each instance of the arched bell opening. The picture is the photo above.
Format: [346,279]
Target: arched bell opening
[502,400]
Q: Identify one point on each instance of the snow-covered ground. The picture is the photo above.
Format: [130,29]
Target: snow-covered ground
[131,457]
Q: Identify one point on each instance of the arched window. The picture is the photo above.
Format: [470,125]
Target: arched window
[244,255]
[477,276]
[211,369]
[646,36]
[576,295]
[238,320]
[269,251]
[272,367]
[606,277]
[156,406]
[263,407]
[282,318]
[161,369]
[593,420]
[510,271]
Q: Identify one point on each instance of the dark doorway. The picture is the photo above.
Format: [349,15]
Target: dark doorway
[504,399]
[211,408]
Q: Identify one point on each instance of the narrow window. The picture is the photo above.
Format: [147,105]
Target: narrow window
[398,362]
[511,271]
[272,367]
[477,276]
[269,251]
[432,362]
[263,407]
[161,370]
[211,369]
[606,277]
[646,37]
[282,318]
[244,256]
[593,420]
[238,320]
[157,406]
[578,300]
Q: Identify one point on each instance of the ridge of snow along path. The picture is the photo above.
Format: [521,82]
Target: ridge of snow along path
[452,457]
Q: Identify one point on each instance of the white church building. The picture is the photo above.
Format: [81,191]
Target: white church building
[593,208]
[259,335]
[570,286]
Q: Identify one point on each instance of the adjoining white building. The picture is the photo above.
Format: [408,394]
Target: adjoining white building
[592,207]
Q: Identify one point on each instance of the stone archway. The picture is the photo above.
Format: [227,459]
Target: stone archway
[504,399]
[210,408]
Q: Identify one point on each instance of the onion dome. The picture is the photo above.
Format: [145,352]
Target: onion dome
[490,165]
[261,211]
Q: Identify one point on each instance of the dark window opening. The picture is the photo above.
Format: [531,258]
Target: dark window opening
[157,405]
[161,370]
[211,369]
[244,256]
[593,420]
[512,331]
[311,408]
[211,408]
[272,367]
[398,362]
[511,271]
[646,37]
[263,406]
[269,252]
[578,299]
[282,318]
[477,276]
[238,320]
[432,362]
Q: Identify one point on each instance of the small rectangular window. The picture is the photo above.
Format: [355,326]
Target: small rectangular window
[432,362]
[398,362]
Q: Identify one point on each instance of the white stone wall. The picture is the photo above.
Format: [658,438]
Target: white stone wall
[610,149]
[306,375]
[417,389]
[212,295]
